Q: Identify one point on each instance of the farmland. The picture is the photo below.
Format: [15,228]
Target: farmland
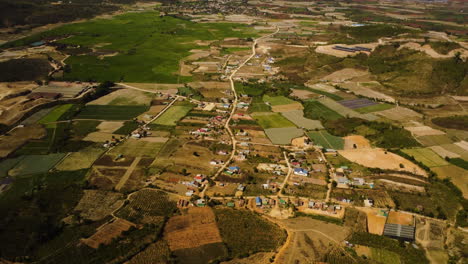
[55,114]
[173,115]
[426,156]
[283,136]
[111,112]
[277,100]
[80,160]
[297,117]
[326,140]
[315,110]
[133,147]
[257,234]
[33,164]
[157,56]
[272,120]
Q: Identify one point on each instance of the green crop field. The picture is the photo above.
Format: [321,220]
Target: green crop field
[385,256]
[315,110]
[137,148]
[426,156]
[374,108]
[111,112]
[277,100]
[283,135]
[258,105]
[149,46]
[173,115]
[55,114]
[33,164]
[127,128]
[272,120]
[326,140]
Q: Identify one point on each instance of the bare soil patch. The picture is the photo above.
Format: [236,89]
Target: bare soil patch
[399,113]
[344,75]
[109,126]
[358,142]
[303,94]
[379,158]
[375,220]
[287,107]
[196,228]
[400,218]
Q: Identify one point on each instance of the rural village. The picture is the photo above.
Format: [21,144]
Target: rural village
[237,132]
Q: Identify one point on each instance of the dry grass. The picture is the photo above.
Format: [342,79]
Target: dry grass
[80,160]
[194,229]
[109,126]
[287,107]
[124,97]
[18,137]
[360,142]
[400,218]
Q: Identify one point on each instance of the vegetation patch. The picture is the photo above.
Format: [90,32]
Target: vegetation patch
[277,100]
[24,70]
[272,120]
[33,164]
[455,122]
[246,233]
[426,156]
[127,128]
[444,47]
[284,135]
[374,108]
[326,140]
[173,115]
[315,110]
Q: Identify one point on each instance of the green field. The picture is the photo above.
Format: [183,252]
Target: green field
[127,128]
[277,100]
[137,148]
[111,112]
[258,105]
[326,140]
[384,256]
[426,156]
[55,114]
[272,120]
[283,135]
[149,46]
[33,164]
[374,108]
[315,110]
[173,115]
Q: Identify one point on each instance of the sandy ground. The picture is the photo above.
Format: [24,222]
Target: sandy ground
[344,75]
[15,87]
[360,142]
[328,49]
[376,158]
[400,218]
[375,221]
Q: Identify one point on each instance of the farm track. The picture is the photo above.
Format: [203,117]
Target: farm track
[127,174]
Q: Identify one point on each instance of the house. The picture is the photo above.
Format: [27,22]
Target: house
[200,202]
[311,204]
[199,178]
[241,187]
[368,203]
[358,181]
[301,172]
[189,193]
[258,201]
[234,169]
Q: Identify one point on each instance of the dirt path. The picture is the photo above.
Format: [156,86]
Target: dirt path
[127,174]
[286,179]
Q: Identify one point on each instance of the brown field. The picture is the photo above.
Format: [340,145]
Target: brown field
[124,97]
[156,253]
[194,229]
[96,204]
[257,136]
[454,148]
[430,233]
[420,131]
[303,94]
[287,107]
[309,240]
[105,178]
[400,218]
[456,174]
[376,158]
[399,113]
[226,190]
[375,221]
[360,142]
[367,89]
[108,160]
[19,136]
[259,258]
[443,152]
[105,234]
[344,75]
[109,126]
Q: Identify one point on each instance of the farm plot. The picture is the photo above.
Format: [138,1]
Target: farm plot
[80,160]
[400,218]
[194,229]
[378,158]
[33,164]
[272,120]
[454,148]
[173,115]
[426,156]
[106,234]
[434,140]
[111,112]
[376,219]
[353,141]
[297,117]
[124,97]
[148,206]
[55,114]
[444,153]
[68,90]
[245,232]
[379,255]
[19,137]
[277,100]
[420,131]
[135,147]
[158,252]
[283,136]
[344,111]
[357,103]
[315,110]
[374,108]
[326,140]
[104,178]
[400,113]
[95,204]
[456,174]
